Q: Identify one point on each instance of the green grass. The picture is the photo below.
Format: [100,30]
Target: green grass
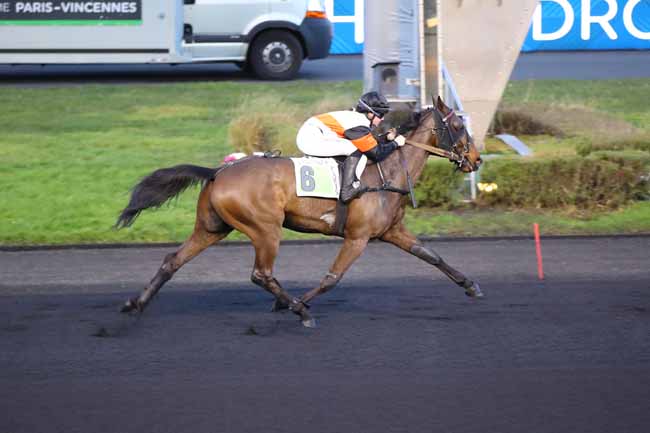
[632,219]
[624,99]
[69,156]
[590,115]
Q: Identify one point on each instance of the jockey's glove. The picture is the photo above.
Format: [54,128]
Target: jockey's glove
[400,140]
[391,134]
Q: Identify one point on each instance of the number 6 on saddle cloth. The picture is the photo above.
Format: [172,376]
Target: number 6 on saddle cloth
[321,177]
[317,177]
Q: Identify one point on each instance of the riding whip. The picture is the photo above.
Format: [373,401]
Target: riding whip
[409,181]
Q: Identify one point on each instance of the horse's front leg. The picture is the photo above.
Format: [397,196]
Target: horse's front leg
[349,252]
[398,235]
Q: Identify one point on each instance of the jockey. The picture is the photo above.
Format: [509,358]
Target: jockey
[351,133]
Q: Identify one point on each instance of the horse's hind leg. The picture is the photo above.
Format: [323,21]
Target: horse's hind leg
[267,243]
[197,242]
[399,236]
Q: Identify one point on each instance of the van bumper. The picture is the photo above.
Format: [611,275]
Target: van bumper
[318,34]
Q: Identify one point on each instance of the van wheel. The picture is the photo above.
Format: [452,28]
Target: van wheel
[276,55]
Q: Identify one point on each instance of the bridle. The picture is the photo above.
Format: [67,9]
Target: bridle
[445,138]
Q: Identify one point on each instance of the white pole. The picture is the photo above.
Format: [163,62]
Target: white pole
[423,76]
[472,183]
[441,81]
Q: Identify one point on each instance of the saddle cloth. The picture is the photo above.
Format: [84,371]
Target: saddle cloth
[317,177]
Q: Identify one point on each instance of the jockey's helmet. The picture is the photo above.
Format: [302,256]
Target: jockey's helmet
[373,102]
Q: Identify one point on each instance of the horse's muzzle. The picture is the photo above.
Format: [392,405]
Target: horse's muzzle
[468,166]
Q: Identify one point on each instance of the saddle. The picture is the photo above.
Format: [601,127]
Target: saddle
[322,177]
[341,214]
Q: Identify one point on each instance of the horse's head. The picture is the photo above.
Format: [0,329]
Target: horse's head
[440,127]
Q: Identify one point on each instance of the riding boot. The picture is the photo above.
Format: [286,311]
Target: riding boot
[351,188]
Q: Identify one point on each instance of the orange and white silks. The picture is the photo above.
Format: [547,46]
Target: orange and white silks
[335,133]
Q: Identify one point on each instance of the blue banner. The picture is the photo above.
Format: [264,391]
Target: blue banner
[347,18]
[556,25]
[599,25]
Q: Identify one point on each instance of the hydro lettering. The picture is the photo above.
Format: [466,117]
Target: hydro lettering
[587,20]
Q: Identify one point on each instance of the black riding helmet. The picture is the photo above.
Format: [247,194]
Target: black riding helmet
[373,102]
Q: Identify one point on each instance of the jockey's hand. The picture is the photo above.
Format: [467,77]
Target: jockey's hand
[400,140]
[391,134]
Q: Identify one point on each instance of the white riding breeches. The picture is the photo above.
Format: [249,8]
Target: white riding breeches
[315,139]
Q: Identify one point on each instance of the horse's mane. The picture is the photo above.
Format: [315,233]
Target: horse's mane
[408,121]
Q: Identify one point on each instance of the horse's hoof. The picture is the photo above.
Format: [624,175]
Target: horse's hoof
[300,308]
[279,306]
[474,291]
[130,305]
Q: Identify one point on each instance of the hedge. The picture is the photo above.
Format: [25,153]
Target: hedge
[602,180]
[439,185]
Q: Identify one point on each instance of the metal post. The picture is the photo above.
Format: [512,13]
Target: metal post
[472,185]
[422,55]
[429,20]
[439,42]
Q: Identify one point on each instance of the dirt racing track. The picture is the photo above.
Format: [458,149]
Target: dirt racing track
[398,349]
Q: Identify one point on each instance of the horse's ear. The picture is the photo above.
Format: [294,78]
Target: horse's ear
[441,106]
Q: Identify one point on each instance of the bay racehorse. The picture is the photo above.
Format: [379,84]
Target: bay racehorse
[257,196]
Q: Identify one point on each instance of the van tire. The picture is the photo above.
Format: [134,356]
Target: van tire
[275,55]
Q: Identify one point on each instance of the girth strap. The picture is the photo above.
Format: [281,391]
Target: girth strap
[389,188]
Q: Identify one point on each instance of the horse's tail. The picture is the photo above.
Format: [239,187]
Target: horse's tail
[160,186]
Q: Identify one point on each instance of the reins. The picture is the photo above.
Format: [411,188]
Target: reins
[435,150]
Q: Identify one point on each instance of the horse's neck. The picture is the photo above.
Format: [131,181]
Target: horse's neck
[393,167]
[417,159]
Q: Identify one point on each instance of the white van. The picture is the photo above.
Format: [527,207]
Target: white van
[269,37]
